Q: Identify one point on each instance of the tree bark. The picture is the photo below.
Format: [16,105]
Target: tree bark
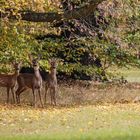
[51,17]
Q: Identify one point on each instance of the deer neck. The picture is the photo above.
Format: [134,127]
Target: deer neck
[37,74]
[53,73]
[16,73]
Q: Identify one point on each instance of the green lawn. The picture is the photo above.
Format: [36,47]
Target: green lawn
[108,122]
[132,75]
[91,122]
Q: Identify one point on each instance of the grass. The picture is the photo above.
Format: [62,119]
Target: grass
[132,74]
[113,122]
[84,113]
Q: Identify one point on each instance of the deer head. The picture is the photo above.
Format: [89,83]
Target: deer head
[53,63]
[34,62]
[16,65]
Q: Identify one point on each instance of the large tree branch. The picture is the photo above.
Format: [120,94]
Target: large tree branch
[50,17]
[84,11]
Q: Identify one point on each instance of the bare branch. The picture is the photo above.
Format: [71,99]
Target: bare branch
[50,17]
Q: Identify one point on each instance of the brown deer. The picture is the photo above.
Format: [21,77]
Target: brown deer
[32,81]
[9,81]
[51,82]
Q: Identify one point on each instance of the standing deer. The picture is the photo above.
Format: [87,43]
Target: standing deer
[9,81]
[32,81]
[51,82]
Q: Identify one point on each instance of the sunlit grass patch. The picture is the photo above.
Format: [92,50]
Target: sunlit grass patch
[120,121]
[132,74]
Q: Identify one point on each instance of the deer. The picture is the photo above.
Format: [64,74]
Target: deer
[30,81]
[51,82]
[9,80]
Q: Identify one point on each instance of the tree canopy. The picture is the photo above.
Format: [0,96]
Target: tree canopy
[87,36]
[38,13]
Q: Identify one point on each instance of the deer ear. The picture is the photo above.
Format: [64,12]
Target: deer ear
[39,57]
[20,63]
[54,59]
[49,60]
[13,62]
[30,57]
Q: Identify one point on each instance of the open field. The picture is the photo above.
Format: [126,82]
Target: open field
[89,113]
[132,74]
[102,122]
[85,111]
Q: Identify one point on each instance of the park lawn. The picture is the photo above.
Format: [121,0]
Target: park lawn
[131,74]
[91,122]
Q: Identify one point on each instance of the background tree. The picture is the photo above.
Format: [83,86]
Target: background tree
[76,33]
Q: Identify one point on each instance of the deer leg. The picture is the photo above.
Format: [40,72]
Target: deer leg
[16,98]
[21,92]
[8,90]
[17,95]
[13,94]
[34,98]
[40,97]
[18,92]
[46,91]
[53,94]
